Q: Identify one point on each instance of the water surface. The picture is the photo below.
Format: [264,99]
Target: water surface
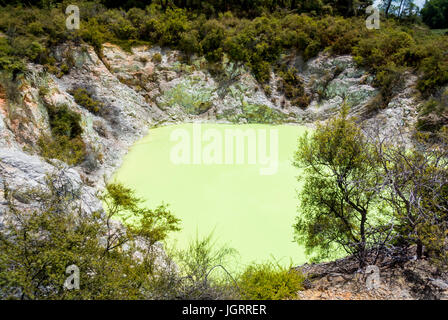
[249,211]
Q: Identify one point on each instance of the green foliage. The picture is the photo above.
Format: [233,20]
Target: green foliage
[435,13]
[212,34]
[382,48]
[70,150]
[84,98]
[195,101]
[174,25]
[312,49]
[255,113]
[244,8]
[268,281]
[65,142]
[189,42]
[390,79]
[8,61]
[202,265]
[258,42]
[36,28]
[30,31]
[94,33]
[261,71]
[418,172]
[123,28]
[364,194]
[433,115]
[390,52]
[10,88]
[154,225]
[64,122]
[157,58]
[292,86]
[38,245]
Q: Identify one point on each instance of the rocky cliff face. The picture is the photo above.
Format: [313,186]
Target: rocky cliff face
[155,86]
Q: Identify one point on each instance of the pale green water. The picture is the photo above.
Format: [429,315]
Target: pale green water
[252,213]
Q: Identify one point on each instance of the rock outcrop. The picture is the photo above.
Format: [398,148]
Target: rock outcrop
[392,279]
[154,86]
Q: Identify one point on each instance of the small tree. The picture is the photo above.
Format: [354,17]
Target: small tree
[336,212]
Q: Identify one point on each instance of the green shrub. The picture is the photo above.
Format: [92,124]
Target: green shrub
[381,48]
[189,42]
[137,17]
[262,71]
[292,86]
[435,13]
[390,79]
[36,28]
[64,122]
[213,35]
[71,151]
[43,90]
[175,23]
[258,42]
[11,64]
[156,58]
[123,29]
[270,282]
[235,47]
[267,90]
[388,54]
[83,98]
[65,68]
[94,33]
[65,142]
[342,35]
[38,245]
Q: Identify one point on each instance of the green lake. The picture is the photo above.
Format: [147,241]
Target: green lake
[248,199]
